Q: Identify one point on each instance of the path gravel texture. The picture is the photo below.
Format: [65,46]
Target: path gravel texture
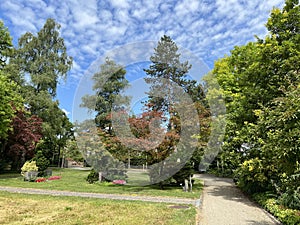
[103,196]
[222,203]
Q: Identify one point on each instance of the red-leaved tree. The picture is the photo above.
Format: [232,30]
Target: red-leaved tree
[22,140]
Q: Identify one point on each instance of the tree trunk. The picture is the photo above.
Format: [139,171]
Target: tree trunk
[128,159]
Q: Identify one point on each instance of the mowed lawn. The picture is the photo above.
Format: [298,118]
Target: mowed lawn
[43,209]
[74,180]
[22,209]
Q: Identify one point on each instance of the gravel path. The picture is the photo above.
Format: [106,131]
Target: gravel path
[221,202]
[100,195]
[224,204]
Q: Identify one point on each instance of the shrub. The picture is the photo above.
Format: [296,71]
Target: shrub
[184,173]
[291,199]
[290,187]
[42,162]
[29,166]
[92,177]
[251,176]
[285,215]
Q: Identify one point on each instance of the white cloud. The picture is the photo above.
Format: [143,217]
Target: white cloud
[66,112]
[91,28]
[119,3]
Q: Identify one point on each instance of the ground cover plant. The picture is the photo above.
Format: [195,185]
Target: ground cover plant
[285,215]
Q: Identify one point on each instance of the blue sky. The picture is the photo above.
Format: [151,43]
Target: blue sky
[93,29]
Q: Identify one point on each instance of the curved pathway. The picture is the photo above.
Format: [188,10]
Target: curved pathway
[224,204]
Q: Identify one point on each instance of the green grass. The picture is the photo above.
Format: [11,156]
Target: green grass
[74,180]
[36,209]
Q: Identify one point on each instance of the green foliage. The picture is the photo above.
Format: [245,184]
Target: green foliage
[184,173]
[290,191]
[5,44]
[284,215]
[44,57]
[291,199]
[251,176]
[98,157]
[165,75]
[42,162]
[72,151]
[109,82]
[29,166]
[10,101]
[92,177]
[260,82]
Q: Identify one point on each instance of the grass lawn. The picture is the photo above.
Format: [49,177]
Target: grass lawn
[74,180]
[35,209]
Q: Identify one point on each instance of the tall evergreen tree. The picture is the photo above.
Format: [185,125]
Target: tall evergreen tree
[166,68]
[109,82]
[169,82]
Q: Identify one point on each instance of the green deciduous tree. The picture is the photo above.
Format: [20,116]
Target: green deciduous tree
[5,44]
[44,58]
[10,100]
[260,82]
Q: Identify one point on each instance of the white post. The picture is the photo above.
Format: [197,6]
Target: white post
[186,185]
[191,184]
[100,176]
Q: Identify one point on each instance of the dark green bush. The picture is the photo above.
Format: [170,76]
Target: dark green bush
[112,169]
[42,163]
[92,177]
[184,173]
[291,199]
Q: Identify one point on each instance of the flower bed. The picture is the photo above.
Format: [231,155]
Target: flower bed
[42,179]
[39,180]
[120,182]
[54,178]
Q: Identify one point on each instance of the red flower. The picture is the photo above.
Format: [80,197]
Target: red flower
[54,178]
[40,180]
[122,182]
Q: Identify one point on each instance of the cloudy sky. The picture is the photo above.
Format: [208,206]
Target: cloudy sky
[208,29]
